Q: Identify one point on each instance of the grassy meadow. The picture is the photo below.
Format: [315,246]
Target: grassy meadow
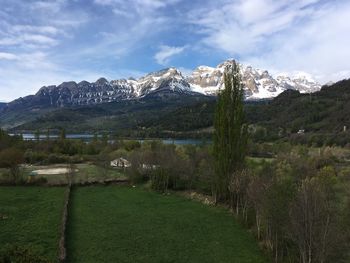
[121,224]
[31,216]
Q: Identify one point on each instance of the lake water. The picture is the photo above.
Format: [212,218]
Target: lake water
[31,136]
[89,137]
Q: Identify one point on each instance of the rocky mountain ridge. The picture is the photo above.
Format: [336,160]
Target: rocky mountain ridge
[259,84]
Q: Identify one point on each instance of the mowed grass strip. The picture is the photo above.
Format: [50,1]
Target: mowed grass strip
[31,217]
[121,224]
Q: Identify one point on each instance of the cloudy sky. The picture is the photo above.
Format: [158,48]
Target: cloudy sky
[47,42]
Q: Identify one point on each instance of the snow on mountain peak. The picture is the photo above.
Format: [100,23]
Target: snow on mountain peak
[258,84]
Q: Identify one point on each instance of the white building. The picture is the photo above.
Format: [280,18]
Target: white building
[120,163]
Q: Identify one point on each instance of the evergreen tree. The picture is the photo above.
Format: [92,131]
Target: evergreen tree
[230,136]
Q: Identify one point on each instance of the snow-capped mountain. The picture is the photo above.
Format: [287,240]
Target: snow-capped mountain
[259,84]
[204,80]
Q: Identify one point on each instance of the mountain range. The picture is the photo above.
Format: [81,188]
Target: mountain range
[323,115]
[118,100]
[204,80]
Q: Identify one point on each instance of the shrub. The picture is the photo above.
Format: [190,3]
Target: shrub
[160,180]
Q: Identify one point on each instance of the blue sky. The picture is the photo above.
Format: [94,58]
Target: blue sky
[47,42]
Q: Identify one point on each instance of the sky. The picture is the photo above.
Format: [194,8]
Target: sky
[48,42]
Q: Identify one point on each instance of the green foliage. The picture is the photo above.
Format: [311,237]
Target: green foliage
[11,158]
[230,136]
[7,141]
[160,180]
[322,115]
[131,145]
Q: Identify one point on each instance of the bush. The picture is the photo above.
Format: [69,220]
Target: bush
[56,158]
[131,145]
[136,177]
[34,157]
[160,180]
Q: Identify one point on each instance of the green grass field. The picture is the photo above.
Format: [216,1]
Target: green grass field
[121,224]
[31,216]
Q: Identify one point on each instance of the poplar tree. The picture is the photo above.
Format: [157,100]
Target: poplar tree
[230,136]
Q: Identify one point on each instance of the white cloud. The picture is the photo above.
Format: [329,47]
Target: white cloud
[31,33]
[40,39]
[48,6]
[120,12]
[166,52]
[36,29]
[307,35]
[125,35]
[29,40]
[106,2]
[241,27]
[138,4]
[8,56]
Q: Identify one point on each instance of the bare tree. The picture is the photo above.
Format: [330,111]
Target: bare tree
[314,218]
[255,193]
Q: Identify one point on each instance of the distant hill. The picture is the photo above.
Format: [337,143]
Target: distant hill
[327,110]
[139,118]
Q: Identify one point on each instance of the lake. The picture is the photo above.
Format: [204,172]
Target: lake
[89,137]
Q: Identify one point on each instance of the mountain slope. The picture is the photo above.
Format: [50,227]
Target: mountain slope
[125,118]
[327,110]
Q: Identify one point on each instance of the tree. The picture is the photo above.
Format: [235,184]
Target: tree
[103,163]
[230,136]
[315,218]
[277,200]
[11,158]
